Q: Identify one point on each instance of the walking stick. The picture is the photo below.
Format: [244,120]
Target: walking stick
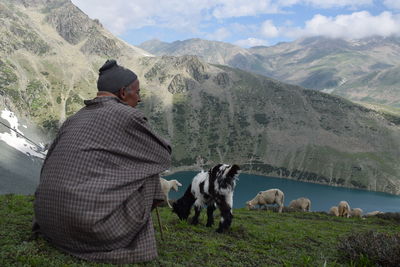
[159,223]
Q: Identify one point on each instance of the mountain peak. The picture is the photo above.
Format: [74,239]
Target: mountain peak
[34,3]
[70,22]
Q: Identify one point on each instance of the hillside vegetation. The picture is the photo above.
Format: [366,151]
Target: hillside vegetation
[50,55]
[256,238]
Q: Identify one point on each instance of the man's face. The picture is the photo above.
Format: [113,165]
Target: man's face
[131,94]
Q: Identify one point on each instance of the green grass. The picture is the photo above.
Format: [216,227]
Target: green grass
[381,108]
[256,238]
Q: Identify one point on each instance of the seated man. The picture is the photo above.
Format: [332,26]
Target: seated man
[100,179]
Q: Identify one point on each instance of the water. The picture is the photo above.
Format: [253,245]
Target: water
[322,197]
[20,163]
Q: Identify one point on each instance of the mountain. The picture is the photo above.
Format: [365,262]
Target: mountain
[209,51]
[361,70]
[50,52]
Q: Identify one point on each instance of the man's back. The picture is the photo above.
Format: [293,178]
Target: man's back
[99,178]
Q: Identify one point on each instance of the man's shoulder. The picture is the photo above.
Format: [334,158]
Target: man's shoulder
[124,111]
[109,109]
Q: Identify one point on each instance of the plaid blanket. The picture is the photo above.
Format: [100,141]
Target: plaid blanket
[98,184]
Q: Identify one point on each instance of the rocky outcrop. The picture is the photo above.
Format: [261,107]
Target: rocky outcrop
[40,3]
[16,33]
[195,68]
[71,23]
[222,79]
[180,84]
[98,44]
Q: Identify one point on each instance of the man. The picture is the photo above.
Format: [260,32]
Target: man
[100,178]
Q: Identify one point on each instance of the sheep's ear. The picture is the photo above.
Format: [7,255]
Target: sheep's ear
[178,183]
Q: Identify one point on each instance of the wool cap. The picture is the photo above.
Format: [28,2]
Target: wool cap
[113,77]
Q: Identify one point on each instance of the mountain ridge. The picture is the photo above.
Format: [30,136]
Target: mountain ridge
[332,65]
[216,112]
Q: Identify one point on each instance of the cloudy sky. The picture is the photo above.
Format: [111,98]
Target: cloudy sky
[244,22]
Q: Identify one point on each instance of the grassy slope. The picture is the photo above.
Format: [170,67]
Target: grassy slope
[257,238]
[381,108]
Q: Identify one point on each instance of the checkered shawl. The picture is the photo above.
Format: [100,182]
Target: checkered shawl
[98,183]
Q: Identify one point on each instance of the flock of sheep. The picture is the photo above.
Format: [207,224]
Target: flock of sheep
[344,210]
[276,196]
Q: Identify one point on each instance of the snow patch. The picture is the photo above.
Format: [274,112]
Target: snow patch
[328,91]
[15,138]
[343,81]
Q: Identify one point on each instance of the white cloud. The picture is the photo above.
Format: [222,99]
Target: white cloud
[244,29]
[240,8]
[268,29]
[354,26]
[220,34]
[327,3]
[196,15]
[249,42]
[338,3]
[122,15]
[288,2]
[395,4]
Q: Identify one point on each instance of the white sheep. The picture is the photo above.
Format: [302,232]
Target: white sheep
[344,209]
[271,196]
[373,213]
[334,211]
[166,187]
[357,212]
[302,203]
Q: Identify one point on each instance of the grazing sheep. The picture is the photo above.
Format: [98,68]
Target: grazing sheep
[357,212]
[302,203]
[166,187]
[334,211]
[373,213]
[344,209]
[271,196]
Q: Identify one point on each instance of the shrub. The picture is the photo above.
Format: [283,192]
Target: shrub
[371,247]
[395,216]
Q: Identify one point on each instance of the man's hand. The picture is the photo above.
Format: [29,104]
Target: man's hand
[156,202]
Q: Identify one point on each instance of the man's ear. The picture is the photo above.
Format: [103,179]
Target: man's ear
[122,93]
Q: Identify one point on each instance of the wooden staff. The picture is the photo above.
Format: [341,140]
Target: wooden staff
[159,223]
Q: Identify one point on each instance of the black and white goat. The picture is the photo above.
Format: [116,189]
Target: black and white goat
[213,189]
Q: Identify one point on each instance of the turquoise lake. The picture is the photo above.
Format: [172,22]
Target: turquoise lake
[322,197]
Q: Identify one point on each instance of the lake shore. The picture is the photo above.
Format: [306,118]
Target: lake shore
[196,168]
[323,196]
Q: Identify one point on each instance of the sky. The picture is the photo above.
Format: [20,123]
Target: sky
[244,22]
